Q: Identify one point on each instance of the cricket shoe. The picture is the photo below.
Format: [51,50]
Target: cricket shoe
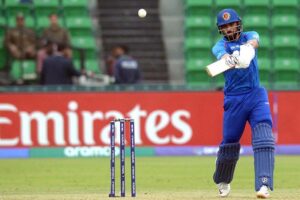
[224,189]
[263,192]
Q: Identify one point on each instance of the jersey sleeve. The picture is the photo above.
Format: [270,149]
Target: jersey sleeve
[219,49]
[252,35]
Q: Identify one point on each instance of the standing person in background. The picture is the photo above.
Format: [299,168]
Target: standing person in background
[45,51]
[126,69]
[111,61]
[58,69]
[244,100]
[21,41]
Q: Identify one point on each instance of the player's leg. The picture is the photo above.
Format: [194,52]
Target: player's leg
[234,121]
[263,144]
[227,158]
[263,147]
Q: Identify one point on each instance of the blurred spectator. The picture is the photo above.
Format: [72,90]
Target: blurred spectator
[46,50]
[51,36]
[55,32]
[126,69]
[58,69]
[21,41]
[111,60]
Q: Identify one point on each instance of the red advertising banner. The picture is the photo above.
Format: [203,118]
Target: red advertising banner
[161,118]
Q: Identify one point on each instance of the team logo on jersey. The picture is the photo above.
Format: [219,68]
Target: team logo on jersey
[226,16]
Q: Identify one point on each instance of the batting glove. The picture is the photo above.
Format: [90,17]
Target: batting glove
[232,60]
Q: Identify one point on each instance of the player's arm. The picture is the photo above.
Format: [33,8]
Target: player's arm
[254,43]
[220,52]
[247,51]
[225,60]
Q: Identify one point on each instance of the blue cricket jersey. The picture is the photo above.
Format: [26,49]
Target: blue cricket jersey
[126,70]
[238,81]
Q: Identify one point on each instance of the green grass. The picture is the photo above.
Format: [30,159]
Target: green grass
[158,178]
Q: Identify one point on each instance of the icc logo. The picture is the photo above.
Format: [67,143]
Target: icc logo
[226,16]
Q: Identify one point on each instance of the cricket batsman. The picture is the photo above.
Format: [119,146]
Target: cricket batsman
[244,101]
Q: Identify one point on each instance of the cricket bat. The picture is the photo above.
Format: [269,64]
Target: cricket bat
[217,67]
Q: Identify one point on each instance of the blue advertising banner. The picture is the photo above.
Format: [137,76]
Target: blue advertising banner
[14,152]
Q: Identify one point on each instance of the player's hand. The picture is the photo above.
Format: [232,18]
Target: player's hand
[247,53]
[231,60]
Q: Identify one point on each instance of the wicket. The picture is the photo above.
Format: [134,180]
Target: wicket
[122,156]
